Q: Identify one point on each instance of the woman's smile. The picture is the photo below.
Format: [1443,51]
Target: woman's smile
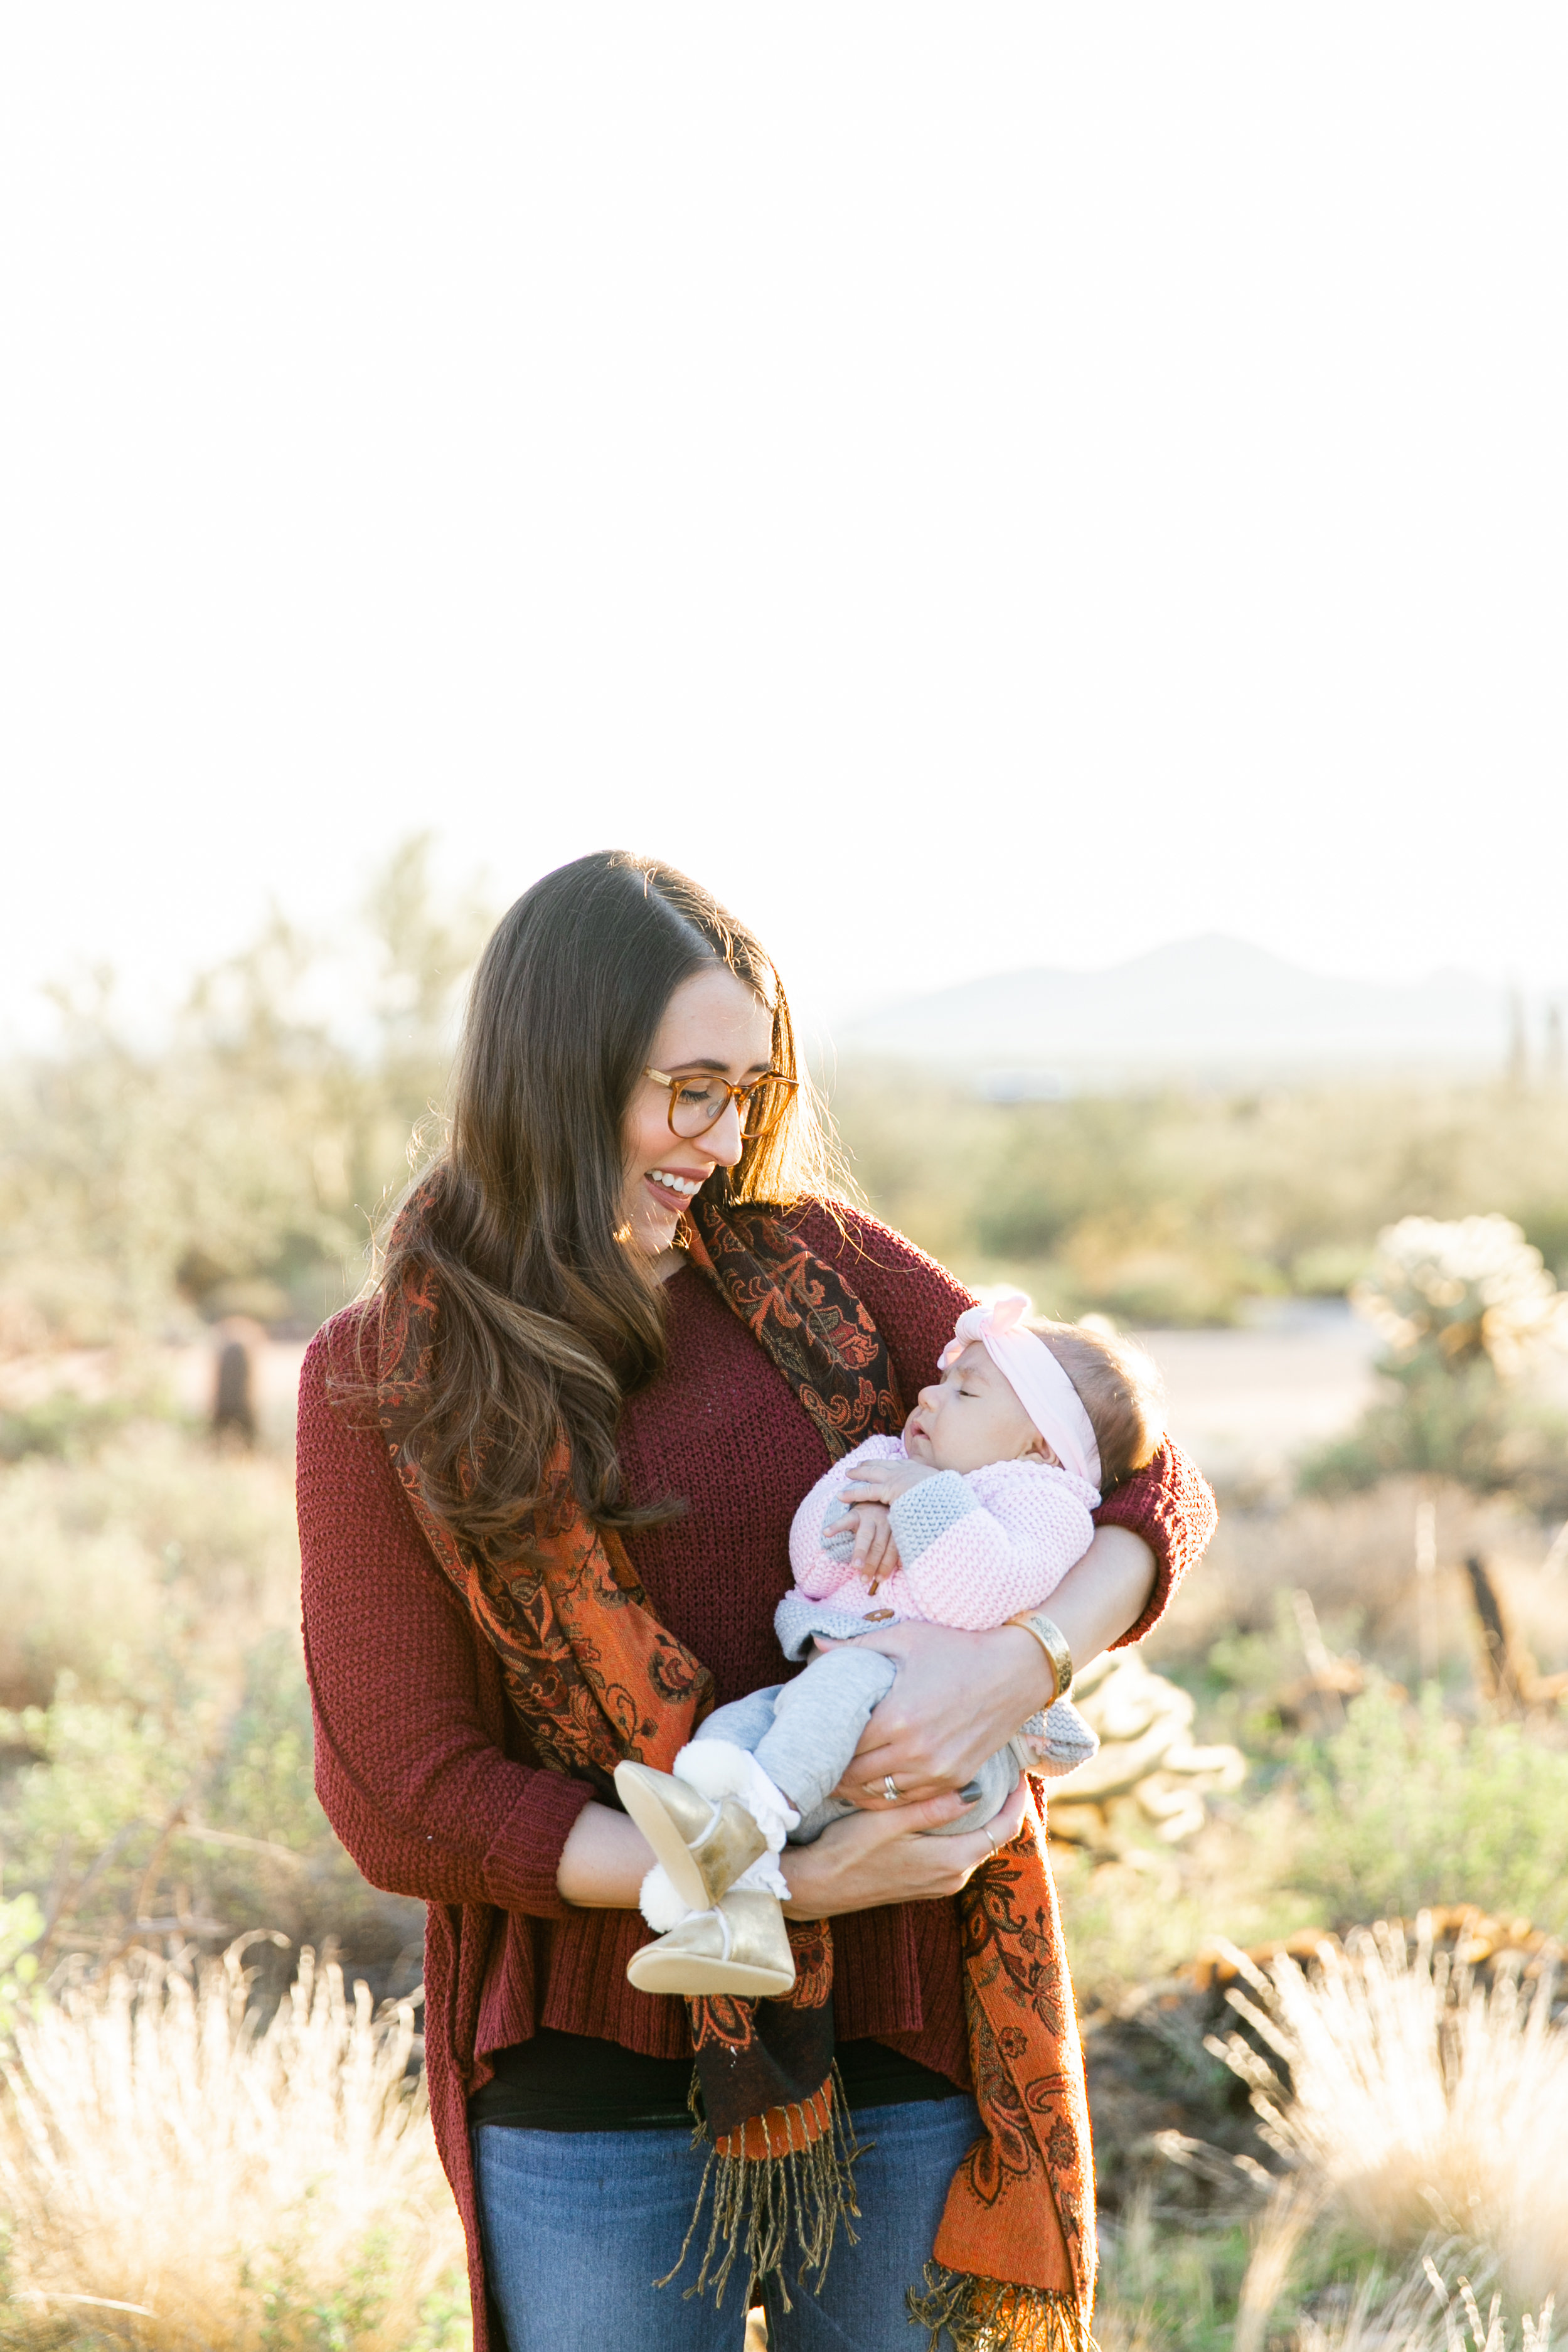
[674,1185]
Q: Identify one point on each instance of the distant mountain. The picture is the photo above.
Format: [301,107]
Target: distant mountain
[1208,1009]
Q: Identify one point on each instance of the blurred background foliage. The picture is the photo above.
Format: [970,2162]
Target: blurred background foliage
[232,1165]
[1180,1208]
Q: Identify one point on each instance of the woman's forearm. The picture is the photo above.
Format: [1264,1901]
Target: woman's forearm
[603,1862]
[1105,1593]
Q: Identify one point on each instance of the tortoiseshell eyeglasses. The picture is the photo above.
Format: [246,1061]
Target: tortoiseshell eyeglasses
[697,1103]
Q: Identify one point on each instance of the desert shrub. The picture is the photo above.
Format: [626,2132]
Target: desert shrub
[158,1750]
[1161,2290]
[63,1424]
[1234,1637]
[1465,1308]
[1466,1424]
[1407,1807]
[176,2171]
[1139,1917]
[286,1867]
[232,1166]
[1419,2312]
[142,1570]
[21,1926]
[211,1821]
[1409,2101]
[1172,1207]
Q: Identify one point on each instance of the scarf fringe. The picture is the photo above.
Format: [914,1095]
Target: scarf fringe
[984,2314]
[759,2201]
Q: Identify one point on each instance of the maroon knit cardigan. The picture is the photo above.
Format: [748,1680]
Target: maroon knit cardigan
[428,1777]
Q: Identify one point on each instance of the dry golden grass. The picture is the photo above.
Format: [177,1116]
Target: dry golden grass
[178,2173]
[189,1554]
[1423,2315]
[1415,2104]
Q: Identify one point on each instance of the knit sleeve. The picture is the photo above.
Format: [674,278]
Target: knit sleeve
[1171,1505]
[411,1767]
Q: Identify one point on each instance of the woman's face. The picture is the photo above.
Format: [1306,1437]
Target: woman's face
[713,1026]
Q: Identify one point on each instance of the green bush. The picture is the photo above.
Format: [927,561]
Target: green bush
[1467,1313]
[1173,1207]
[1407,1807]
[157,1753]
[143,1569]
[64,1424]
[21,1926]
[234,1167]
[1466,1424]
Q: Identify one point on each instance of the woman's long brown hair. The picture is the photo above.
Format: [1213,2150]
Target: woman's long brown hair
[547,1319]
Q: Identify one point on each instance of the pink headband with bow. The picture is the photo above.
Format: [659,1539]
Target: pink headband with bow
[1037,1379]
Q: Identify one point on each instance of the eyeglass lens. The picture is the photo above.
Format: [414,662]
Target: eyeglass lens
[696,1107]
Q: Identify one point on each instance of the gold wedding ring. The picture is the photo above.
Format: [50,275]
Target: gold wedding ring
[890,1788]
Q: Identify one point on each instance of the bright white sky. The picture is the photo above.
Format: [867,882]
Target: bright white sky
[977,486]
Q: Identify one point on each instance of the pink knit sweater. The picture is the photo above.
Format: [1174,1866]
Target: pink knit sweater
[973,1550]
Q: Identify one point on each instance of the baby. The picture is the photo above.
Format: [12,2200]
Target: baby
[974,1515]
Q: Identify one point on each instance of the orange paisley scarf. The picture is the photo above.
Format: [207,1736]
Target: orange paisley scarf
[596,1677]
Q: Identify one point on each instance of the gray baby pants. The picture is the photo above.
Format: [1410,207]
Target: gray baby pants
[803,1733]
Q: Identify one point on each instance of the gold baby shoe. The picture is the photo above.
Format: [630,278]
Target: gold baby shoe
[741,1947]
[702,1846]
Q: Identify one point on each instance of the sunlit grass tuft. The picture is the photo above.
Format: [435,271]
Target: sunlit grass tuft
[176,2172]
[1417,2101]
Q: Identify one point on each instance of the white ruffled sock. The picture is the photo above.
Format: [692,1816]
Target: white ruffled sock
[659,1905]
[716,1768]
[663,1909]
[765,1877]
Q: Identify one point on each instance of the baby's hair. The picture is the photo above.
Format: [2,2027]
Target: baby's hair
[1122,1394]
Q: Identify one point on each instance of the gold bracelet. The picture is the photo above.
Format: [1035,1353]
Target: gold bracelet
[1053,1642]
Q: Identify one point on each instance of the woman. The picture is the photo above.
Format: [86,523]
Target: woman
[547,1475]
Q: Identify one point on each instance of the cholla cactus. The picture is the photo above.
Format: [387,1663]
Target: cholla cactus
[1457,1290]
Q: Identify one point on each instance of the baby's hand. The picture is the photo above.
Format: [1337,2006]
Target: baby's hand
[876,1554]
[883,1481]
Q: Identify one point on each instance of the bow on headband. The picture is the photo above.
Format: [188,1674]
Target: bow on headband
[1037,1379]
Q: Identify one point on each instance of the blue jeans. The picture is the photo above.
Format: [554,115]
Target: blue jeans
[578,2225]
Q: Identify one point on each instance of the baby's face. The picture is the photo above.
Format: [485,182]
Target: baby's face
[969,1417]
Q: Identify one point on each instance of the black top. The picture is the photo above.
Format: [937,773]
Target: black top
[576,2083]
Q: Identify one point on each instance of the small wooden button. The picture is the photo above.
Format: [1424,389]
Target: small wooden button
[875,1616]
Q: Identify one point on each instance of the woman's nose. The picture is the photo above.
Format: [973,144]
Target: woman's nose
[724,1142]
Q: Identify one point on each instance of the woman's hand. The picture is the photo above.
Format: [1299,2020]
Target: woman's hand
[960,1696]
[957,1699]
[870,1859]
